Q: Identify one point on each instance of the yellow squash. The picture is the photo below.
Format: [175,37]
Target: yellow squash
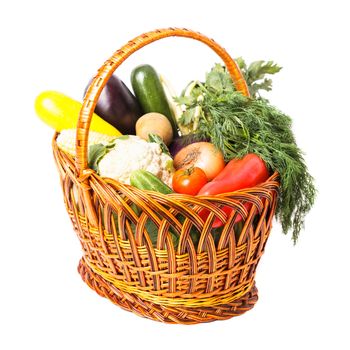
[61,112]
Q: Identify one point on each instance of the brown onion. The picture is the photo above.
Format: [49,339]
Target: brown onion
[203,155]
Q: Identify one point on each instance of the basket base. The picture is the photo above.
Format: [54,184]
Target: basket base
[165,314]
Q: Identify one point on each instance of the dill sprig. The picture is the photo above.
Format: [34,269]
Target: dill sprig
[239,125]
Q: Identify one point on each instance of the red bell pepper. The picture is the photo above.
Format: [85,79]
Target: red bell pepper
[237,174]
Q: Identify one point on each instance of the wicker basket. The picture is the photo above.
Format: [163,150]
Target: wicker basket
[191,282]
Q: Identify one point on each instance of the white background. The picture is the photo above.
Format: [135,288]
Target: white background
[303,290]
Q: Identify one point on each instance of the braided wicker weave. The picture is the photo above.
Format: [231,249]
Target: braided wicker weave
[193,281]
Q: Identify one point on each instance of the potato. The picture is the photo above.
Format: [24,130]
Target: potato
[154,123]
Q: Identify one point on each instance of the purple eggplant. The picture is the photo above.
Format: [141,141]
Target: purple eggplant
[118,106]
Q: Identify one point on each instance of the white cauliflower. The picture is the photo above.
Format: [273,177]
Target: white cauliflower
[131,153]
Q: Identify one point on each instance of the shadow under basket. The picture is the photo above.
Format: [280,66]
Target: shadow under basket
[154,254]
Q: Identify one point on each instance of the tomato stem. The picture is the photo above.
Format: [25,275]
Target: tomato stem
[188,171]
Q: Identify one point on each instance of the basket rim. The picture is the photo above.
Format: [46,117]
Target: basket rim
[273,179]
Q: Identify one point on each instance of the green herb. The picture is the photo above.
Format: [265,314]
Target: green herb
[157,139]
[97,152]
[239,125]
[255,73]
[123,137]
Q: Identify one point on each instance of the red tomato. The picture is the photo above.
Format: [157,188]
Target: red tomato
[189,180]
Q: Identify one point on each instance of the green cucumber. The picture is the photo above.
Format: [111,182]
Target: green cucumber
[150,93]
[144,180]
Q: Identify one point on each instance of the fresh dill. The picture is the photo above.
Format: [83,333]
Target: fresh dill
[239,125]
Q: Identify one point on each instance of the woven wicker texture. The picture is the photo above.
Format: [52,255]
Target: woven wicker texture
[189,272]
[163,313]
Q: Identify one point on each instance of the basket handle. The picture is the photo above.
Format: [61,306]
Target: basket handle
[104,73]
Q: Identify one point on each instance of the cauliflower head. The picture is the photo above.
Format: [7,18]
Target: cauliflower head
[129,153]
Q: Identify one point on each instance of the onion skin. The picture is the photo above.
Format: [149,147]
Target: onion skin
[203,155]
[180,142]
